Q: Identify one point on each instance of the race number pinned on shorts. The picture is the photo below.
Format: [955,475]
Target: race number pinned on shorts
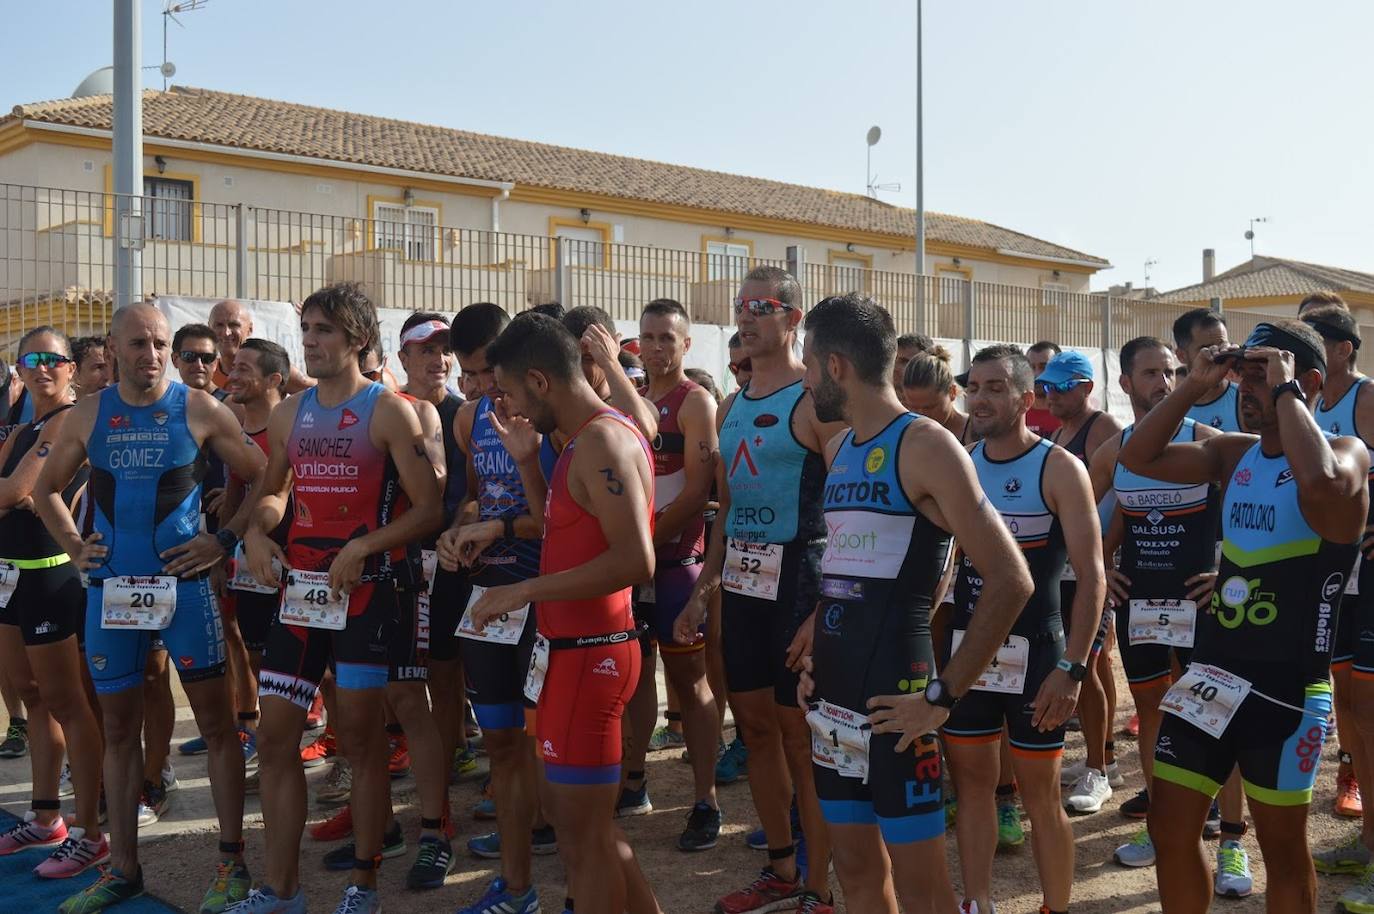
[839,740]
[306,601]
[9,579]
[1352,584]
[1206,697]
[752,569]
[243,578]
[1167,622]
[139,602]
[539,668]
[504,629]
[1007,672]
[429,566]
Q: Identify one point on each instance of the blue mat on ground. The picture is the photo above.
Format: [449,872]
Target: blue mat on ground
[24,892]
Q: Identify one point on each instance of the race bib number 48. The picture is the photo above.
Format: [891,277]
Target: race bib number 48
[1168,622]
[1007,672]
[138,602]
[306,601]
[1206,697]
[752,569]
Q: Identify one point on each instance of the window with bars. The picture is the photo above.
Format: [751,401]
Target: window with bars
[412,230]
[169,208]
[582,247]
[847,274]
[726,260]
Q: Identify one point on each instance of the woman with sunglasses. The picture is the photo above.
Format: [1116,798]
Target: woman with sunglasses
[41,623]
[929,389]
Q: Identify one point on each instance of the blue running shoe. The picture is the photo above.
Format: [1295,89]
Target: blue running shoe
[263,900]
[733,763]
[634,802]
[499,900]
[757,840]
[194,746]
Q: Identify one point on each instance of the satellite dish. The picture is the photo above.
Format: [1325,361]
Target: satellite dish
[874,135]
[1249,235]
[168,69]
[101,82]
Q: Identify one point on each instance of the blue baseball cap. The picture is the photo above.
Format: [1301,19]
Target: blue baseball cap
[1066,366]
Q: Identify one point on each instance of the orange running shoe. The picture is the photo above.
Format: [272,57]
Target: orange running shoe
[399,763]
[1348,802]
[335,828]
[314,718]
[320,750]
[1133,727]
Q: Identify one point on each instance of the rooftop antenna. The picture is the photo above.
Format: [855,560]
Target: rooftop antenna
[1149,263]
[875,134]
[1250,233]
[169,11]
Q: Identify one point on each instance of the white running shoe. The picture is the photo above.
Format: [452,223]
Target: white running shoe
[1070,774]
[1088,793]
[1233,871]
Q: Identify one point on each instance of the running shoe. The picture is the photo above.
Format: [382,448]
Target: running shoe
[499,900]
[320,750]
[1211,826]
[768,892]
[110,889]
[1139,851]
[1009,830]
[543,842]
[703,828]
[1088,793]
[31,833]
[484,809]
[666,738]
[337,786]
[970,906]
[169,776]
[1070,774]
[398,762]
[358,899]
[314,718]
[16,744]
[393,845]
[432,864]
[65,787]
[811,903]
[230,887]
[74,856]
[1137,807]
[634,802]
[262,900]
[152,805]
[252,781]
[335,828]
[1350,856]
[1348,801]
[464,764]
[249,740]
[1133,726]
[1359,898]
[733,763]
[1233,871]
[196,745]
[757,840]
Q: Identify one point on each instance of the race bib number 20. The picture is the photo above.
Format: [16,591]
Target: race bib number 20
[147,603]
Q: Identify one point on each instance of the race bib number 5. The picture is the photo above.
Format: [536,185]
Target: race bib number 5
[1168,622]
[504,629]
[1206,697]
[138,602]
[306,601]
[752,569]
[1007,672]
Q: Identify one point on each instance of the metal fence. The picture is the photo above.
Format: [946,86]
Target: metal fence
[57,258]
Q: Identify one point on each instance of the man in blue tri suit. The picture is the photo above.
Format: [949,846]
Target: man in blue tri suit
[898,486]
[1194,331]
[1257,693]
[146,439]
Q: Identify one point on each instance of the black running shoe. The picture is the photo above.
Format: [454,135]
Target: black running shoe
[341,857]
[432,864]
[703,828]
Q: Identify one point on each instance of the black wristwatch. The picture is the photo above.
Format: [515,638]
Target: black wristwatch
[228,540]
[1077,671]
[938,694]
[1290,386]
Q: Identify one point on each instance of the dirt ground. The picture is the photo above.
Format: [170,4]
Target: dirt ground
[179,854]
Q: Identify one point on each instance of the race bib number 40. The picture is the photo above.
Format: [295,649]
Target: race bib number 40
[138,602]
[1007,672]
[504,629]
[1168,622]
[306,601]
[752,569]
[839,740]
[1206,697]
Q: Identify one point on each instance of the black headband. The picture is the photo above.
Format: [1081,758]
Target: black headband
[1334,332]
[1305,354]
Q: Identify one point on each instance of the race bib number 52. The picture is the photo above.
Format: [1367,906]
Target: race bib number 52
[306,601]
[752,569]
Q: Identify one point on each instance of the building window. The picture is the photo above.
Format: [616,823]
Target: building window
[412,230]
[849,273]
[582,246]
[1055,294]
[727,260]
[169,208]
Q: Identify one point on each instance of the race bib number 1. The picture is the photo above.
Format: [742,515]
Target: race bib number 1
[306,601]
[1206,697]
[147,603]
[1007,672]
[839,740]
[1168,622]
[9,579]
[539,668]
[504,629]
[752,569]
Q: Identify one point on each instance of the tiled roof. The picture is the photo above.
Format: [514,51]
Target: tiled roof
[225,119]
[1267,277]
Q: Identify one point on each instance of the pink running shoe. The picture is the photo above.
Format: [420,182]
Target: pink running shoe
[74,856]
[30,833]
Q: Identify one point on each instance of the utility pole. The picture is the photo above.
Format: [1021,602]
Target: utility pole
[128,152]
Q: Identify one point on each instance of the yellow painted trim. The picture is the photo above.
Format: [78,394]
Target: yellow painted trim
[831,258]
[196,217]
[109,200]
[13,137]
[965,273]
[832,255]
[370,221]
[705,269]
[605,228]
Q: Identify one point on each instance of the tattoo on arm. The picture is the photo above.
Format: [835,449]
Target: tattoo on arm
[44,448]
[705,451]
[613,483]
[420,452]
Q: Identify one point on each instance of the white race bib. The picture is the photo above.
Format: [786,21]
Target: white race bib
[9,579]
[1352,586]
[243,578]
[1168,622]
[429,563]
[305,601]
[539,668]
[1007,672]
[1207,697]
[138,602]
[752,569]
[504,629]
[839,740]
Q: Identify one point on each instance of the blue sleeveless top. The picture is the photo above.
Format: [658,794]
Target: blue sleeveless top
[500,494]
[1222,414]
[146,475]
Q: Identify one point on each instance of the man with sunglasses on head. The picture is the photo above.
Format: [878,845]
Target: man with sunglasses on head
[1257,693]
[765,558]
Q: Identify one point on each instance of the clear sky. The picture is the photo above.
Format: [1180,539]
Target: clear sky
[1131,130]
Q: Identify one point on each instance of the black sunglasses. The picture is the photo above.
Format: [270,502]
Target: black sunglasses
[205,358]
